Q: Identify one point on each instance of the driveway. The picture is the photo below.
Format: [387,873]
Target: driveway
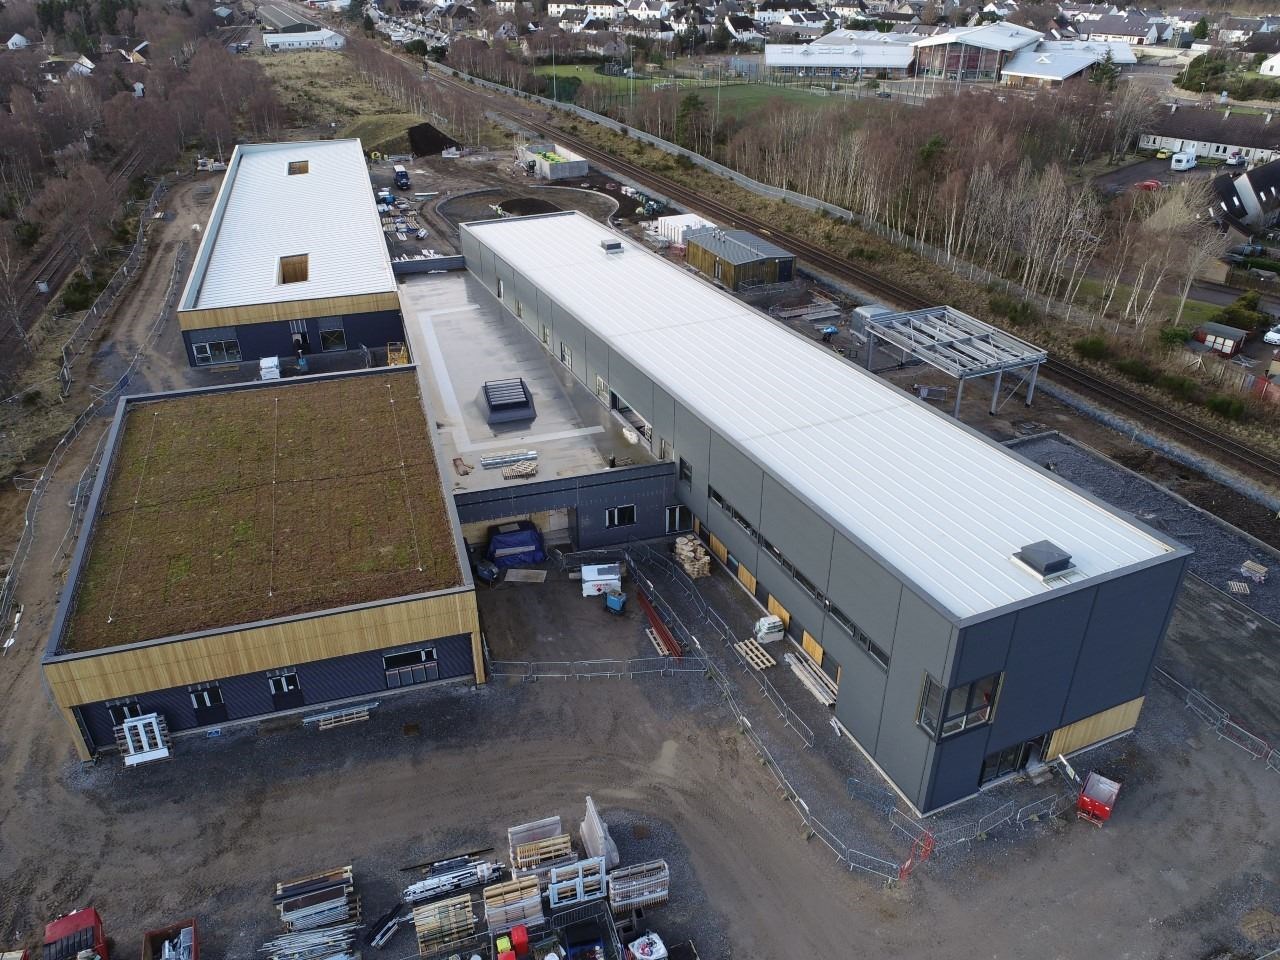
[1123,178]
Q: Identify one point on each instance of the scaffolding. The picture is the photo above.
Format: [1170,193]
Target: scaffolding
[961,346]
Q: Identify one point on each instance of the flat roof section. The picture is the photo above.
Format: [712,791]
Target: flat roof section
[464,339]
[235,506]
[941,504]
[324,211]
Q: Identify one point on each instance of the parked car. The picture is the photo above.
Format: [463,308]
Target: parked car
[1152,185]
[1248,250]
[883,94]
[1163,154]
[1273,335]
[1235,160]
[1236,259]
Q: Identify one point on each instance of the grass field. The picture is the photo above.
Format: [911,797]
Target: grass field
[232,507]
[320,87]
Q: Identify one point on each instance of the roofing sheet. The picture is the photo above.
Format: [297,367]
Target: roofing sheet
[867,56]
[1047,66]
[736,246]
[263,213]
[992,36]
[942,505]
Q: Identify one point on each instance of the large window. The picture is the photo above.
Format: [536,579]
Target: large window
[620,516]
[206,700]
[286,692]
[566,354]
[969,705]
[679,518]
[216,351]
[414,666]
[332,335]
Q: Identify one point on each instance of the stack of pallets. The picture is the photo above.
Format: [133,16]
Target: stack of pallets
[441,924]
[318,900]
[639,885]
[514,902]
[693,557]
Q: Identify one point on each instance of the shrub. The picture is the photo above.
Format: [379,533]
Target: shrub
[1092,348]
[1172,336]
[1262,263]
[27,234]
[79,293]
[1224,406]
[1017,312]
[1139,370]
[1183,388]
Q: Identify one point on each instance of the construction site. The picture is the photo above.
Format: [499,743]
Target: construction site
[580,632]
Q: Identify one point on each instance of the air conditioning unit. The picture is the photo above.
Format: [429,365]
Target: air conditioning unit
[611,246]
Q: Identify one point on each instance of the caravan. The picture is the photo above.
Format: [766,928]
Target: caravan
[1182,161]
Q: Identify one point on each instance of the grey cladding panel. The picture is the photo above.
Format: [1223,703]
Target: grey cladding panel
[693,444]
[803,608]
[862,688]
[570,333]
[803,537]
[1126,626]
[864,591]
[983,649]
[1043,648]
[957,768]
[664,414]
[631,385]
[736,478]
[736,540]
[922,643]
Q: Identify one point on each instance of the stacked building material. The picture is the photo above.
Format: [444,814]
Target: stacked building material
[595,834]
[577,883]
[318,900]
[640,885]
[457,874]
[540,856]
[329,943]
[693,557]
[441,924]
[514,902]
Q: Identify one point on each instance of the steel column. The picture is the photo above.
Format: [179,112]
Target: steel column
[1031,387]
[995,393]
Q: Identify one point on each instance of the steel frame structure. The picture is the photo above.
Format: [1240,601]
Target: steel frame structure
[959,345]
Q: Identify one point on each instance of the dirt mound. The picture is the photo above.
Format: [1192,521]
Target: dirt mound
[425,139]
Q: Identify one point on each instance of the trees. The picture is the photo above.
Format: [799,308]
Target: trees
[1105,73]
[1201,30]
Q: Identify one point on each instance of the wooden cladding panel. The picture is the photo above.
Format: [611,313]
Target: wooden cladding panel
[779,611]
[287,310]
[746,578]
[1090,730]
[202,659]
[812,647]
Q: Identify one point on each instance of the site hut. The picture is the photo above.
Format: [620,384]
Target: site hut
[738,259]
[277,18]
[970,610]
[293,259]
[260,549]
[551,162]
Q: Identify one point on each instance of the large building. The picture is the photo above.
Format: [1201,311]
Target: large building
[293,259]
[845,54]
[258,549]
[973,611]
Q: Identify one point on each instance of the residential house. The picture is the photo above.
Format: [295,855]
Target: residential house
[607,45]
[509,7]
[1239,29]
[743,29]
[1270,67]
[1215,134]
[595,25]
[648,9]
[17,42]
[606,9]
[850,9]
[773,11]
[1138,31]
[1249,201]
[55,68]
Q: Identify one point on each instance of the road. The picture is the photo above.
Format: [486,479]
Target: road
[1122,178]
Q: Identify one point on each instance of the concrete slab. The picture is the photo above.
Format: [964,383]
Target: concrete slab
[462,337]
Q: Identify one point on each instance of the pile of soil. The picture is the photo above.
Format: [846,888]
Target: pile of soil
[424,139]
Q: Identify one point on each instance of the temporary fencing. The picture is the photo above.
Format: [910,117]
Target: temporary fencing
[103,402]
[1046,808]
[1219,721]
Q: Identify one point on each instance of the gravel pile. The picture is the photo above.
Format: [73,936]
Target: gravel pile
[1219,547]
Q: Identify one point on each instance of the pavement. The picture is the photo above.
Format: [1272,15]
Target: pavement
[1123,178]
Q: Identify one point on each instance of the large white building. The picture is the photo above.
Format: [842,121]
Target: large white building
[845,52]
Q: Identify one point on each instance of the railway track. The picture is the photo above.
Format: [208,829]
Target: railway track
[56,264]
[1250,460]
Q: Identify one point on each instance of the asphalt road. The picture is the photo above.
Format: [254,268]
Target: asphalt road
[1222,295]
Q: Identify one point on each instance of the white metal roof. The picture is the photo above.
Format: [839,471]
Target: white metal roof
[940,504]
[1047,66]
[867,55]
[992,36]
[262,214]
[1121,51]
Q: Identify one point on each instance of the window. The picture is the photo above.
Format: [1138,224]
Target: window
[546,335]
[413,666]
[206,700]
[686,472]
[664,448]
[293,269]
[566,354]
[620,516]
[124,710]
[499,281]
[602,389]
[969,705]
[679,518]
[877,653]
[333,340]
[286,692]
[716,498]
[216,351]
[299,166]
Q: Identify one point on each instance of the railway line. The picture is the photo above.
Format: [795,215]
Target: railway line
[55,266]
[1249,460]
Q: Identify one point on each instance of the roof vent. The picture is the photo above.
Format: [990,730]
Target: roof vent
[611,246]
[1045,559]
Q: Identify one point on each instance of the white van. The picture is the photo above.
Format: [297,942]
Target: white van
[1182,161]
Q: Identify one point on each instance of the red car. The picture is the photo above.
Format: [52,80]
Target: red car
[1148,185]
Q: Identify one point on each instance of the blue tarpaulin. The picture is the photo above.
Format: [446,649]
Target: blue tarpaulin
[515,544]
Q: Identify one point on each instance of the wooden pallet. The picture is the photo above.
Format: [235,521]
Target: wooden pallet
[1237,586]
[540,853]
[440,924]
[520,470]
[1254,571]
[513,902]
[656,640]
[755,654]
